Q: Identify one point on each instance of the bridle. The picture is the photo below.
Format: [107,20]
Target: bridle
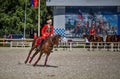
[54,38]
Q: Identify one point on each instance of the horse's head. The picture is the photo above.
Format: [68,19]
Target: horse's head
[116,38]
[93,38]
[56,39]
[85,35]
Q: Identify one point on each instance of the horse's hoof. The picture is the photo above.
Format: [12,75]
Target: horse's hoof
[88,49]
[56,50]
[34,65]
[45,66]
[29,62]
[25,62]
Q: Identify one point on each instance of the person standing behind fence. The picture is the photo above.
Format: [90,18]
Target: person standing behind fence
[77,30]
[93,32]
[10,36]
[35,35]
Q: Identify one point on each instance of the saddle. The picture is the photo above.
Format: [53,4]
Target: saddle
[42,42]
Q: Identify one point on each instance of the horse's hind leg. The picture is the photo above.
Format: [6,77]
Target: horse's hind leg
[46,59]
[107,46]
[100,46]
[116,47]
[29,53]
[38,59]
[33,56]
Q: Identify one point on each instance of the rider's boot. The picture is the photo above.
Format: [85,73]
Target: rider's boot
[40,44]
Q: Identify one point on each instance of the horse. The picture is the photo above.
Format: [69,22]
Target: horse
[112,38]
[92,38]
[100,39]
[46,47]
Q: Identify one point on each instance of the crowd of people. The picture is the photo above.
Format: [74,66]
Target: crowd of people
[101,28]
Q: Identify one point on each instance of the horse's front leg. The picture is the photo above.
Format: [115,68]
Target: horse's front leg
[34,55]
[115,47]
[29,54]
[46,59]
[100,46]
[38,59]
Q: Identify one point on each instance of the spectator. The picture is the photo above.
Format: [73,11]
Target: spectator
[10,36]
[77,30]
[35,35]
[93,33]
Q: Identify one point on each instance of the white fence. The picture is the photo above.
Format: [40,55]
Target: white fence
[16,42]
[113,46]
[72,44]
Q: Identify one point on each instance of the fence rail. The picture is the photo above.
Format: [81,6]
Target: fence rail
[16,42]
[72,44]
[92,45]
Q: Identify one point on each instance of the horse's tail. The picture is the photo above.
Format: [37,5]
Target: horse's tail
[33,43]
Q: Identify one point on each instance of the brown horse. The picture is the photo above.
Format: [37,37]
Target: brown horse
[95,39]
[46,47]
[112,38]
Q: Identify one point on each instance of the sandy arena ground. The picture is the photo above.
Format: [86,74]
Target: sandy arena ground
[75,64]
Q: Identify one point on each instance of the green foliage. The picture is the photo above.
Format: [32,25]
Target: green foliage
[12,16]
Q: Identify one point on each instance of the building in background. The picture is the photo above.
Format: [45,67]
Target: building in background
[103,15]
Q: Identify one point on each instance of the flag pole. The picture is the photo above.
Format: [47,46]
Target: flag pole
[25,18]
[39,18]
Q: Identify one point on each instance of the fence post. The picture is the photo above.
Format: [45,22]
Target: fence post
[97,45]
[112,46]
[77,43]
[90,45]
[104,45]
[70,45]
[118,45]
[85,45]
[30,44]
[11,44]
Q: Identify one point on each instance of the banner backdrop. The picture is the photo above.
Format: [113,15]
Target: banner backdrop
[79,20]
[119,24]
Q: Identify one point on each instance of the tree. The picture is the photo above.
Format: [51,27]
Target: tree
[12,13]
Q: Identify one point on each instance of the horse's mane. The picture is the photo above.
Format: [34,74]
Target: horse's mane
[56,38]
[53,38]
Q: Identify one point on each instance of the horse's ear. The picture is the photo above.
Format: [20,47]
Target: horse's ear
[59,35]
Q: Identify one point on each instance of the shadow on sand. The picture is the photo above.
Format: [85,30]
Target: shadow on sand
[47,66]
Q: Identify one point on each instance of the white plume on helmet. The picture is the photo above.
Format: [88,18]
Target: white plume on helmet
[49,21]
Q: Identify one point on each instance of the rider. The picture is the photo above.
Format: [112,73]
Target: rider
[93,32]
[47,30]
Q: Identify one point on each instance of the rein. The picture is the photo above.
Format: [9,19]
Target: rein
[50,38]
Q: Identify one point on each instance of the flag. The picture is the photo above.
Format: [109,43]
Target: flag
[34,3]
[80,15]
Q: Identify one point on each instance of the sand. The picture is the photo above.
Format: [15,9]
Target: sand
[76,64]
